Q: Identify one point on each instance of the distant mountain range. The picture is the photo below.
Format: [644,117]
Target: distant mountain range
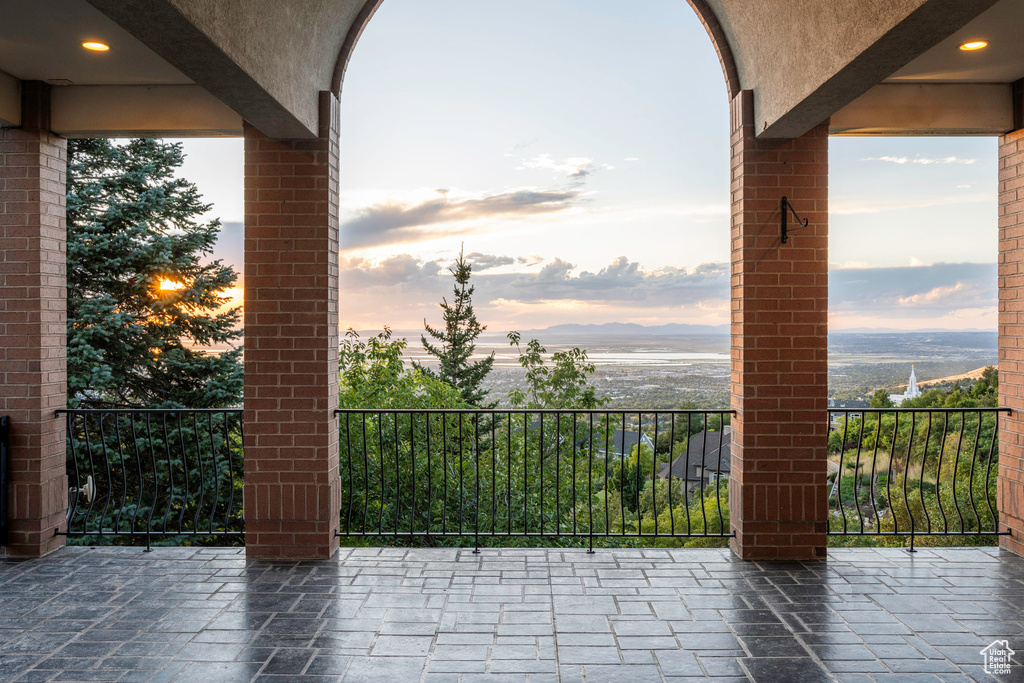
[927,330]
[680,329]
[574,330]
[630,329]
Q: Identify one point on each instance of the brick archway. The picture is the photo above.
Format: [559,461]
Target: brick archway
[779,322]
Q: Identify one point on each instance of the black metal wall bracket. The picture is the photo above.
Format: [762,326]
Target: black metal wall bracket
[786,208]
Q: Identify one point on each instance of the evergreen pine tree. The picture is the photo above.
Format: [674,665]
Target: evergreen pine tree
[139,297]
[456,341]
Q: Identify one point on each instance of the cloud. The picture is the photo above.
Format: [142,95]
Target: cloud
[403,271]
[926,161]
[624,281]
[481,262]
[919,291]
[402,290]
[574,168]
[392,222]
[511,151]
[846,206]
[933,296]
[230,245]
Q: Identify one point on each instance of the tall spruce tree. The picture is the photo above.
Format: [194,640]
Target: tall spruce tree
[139,296]
[456,341]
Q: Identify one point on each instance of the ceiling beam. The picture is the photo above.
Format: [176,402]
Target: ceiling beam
[166,31]
[10,101]
[928,109]
[815,57]
[84,111]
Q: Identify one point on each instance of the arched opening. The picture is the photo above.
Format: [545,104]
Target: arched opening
[588,187]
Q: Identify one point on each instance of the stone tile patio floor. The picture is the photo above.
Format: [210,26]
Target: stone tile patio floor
[384,614]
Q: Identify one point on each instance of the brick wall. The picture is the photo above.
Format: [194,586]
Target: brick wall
[292,490]
[33,370]
[1010,484]
[778,498]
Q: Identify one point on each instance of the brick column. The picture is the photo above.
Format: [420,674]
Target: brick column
[1010,483]
[33,330]
[777,491]
[292,489]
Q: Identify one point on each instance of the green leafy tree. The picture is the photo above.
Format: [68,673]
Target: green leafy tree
[881,399]
[374,376]
[140,298]
[632,478]
[455,342]
[986,389]
[563,384]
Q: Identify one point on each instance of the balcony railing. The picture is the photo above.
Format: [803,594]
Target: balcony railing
[154,473]
[474,475]
[481,474]
[913,472]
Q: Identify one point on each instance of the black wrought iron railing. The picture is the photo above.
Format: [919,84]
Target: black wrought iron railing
[534,473]
[914,472]
[500,474]
[154,473]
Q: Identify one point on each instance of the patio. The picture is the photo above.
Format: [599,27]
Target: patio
[371,614]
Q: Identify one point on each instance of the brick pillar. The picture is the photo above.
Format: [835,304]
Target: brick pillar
[33,330]
[1010,483]
[777,491]
[292,489]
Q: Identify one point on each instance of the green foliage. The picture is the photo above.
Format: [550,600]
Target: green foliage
[457,341]
[675,438]
[563,384]
[131,225]
[986,390]
[156,471]
[463,472]
[881,399]
[632,477]
[444,477]
[835,441]
[932,471]
[372,375]
[703,513]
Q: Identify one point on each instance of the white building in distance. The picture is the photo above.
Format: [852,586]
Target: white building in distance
[911,392]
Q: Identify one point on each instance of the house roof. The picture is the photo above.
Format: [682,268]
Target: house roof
[624,441]
[851,404]
[708,450]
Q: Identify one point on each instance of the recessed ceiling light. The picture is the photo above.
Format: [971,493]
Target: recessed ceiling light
[973,45]
[95,46]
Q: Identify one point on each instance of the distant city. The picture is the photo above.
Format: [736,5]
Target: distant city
[662,367]
[646,368]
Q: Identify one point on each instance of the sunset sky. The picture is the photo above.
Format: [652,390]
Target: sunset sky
[579,150]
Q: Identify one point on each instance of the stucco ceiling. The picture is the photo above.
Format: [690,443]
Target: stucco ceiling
[43,41]
[268,60]
[1002,61]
